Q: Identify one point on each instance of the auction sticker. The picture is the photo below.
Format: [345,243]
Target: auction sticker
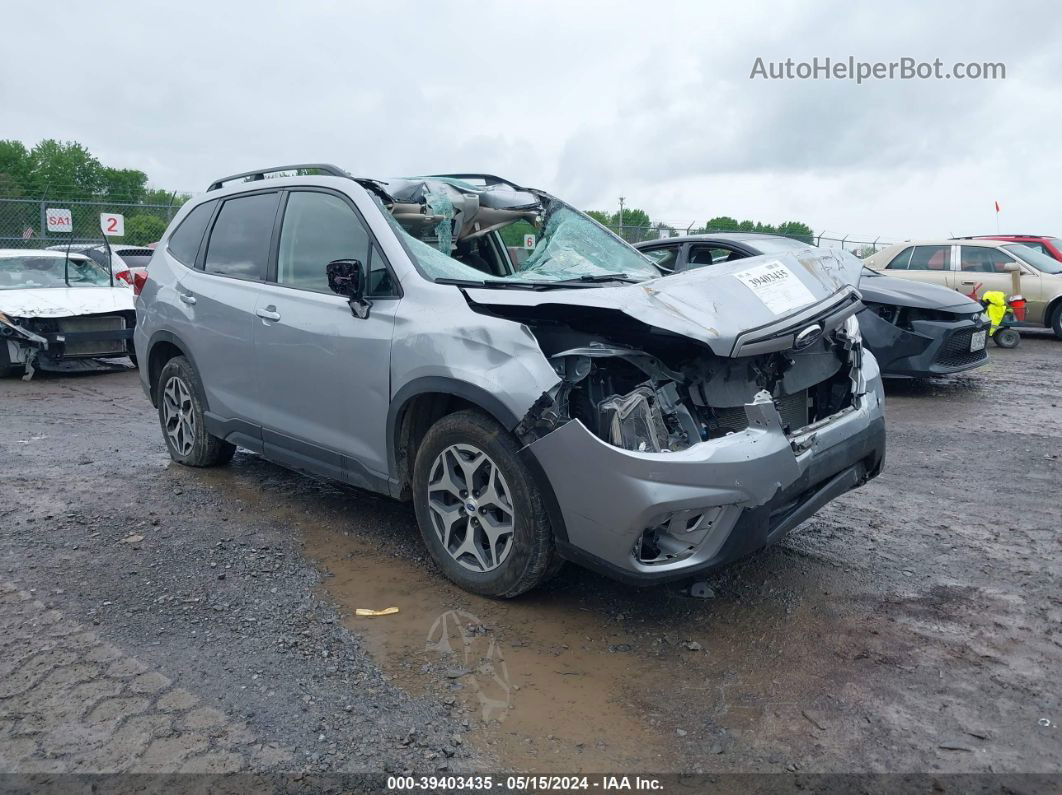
[777,286]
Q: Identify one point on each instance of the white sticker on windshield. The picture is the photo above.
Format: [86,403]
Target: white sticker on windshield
[777,286]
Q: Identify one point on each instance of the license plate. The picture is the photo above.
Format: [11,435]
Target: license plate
[977,341]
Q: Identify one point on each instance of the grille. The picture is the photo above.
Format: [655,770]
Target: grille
[792,408]
[955,352]
[88,325]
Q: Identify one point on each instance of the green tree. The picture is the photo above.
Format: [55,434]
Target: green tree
[165,198]
[722,223]
[64,170]
[14,168]
[601,217]
[632,217]
[124,184]
[141,229]
[797,230]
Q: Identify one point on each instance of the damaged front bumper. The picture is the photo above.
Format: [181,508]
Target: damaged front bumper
[913,343]
[65,343]
[646,517]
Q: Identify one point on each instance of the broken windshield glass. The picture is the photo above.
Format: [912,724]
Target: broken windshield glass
[453,230]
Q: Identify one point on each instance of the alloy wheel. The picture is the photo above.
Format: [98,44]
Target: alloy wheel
[178,415]
[471,507]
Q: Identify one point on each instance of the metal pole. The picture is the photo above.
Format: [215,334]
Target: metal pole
[619,221]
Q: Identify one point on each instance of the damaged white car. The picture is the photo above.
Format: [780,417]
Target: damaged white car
[571,404]
[61,312]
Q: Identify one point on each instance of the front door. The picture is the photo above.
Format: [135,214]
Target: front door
[324,374]
[981,268]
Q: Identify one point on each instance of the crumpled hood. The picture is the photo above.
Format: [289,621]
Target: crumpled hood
[919,295]
[65,301]
[713,305]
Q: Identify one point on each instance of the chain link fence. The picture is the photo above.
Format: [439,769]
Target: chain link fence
[36,223]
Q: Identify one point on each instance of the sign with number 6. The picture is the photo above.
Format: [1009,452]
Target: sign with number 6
[112,224]
[529,241]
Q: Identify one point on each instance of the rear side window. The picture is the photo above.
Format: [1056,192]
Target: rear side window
[929,258]
[901,260]
[185,240]
[239,241]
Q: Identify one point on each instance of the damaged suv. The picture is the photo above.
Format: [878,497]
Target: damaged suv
[571,403]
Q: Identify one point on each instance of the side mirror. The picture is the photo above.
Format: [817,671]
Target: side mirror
[347,277]
[1011,267]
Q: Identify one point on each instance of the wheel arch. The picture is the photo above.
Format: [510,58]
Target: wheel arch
[421,403]
[162,347]
[1052,308]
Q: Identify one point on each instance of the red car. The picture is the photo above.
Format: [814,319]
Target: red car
[1051,246]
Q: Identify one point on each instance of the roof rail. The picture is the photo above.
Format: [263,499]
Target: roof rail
[488,179]
[254,176]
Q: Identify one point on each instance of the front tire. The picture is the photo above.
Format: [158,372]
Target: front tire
[480,512]
[1056,321]
[179,396]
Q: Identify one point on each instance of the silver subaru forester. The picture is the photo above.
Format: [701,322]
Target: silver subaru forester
[536,386]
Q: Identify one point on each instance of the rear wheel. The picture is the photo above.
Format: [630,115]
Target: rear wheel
[179,396]
[1007,338]
[479,509]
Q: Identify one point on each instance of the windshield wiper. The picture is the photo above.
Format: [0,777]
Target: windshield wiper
[503,285]
[593,278]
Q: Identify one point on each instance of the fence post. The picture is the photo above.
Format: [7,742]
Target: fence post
[44,220]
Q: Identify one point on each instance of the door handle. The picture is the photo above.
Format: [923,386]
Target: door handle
[969,282]
[269,313]
[188,298]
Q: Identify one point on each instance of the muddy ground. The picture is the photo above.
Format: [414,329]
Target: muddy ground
[914,625]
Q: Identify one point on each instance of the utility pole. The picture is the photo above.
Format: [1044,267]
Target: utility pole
[619,223]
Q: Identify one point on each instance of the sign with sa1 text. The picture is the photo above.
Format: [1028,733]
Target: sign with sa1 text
[112,224]
[59,220]
[529,241]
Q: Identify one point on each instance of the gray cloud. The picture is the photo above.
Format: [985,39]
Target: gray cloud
[587,100]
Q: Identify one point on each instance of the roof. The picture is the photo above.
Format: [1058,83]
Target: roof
[1003,235]
[951,241]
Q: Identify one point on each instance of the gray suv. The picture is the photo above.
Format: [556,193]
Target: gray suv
[536,386]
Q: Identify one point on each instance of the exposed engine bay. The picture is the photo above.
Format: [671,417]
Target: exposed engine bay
[645,390]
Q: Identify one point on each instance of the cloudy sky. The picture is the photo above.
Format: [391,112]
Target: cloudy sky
[651,101]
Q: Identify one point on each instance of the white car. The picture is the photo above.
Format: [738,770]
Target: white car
[61,313]
[121,267]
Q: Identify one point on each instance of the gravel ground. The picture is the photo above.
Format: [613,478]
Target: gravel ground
[914,625]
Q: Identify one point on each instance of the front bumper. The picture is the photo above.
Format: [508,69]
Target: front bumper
[928,348]
[752,484]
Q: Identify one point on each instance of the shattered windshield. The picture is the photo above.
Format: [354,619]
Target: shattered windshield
[502,235]
[33,271]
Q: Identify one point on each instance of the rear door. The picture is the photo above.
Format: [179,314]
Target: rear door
[221,294]
[928,263]
[323,374]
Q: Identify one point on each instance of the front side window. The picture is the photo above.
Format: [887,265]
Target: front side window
[185,240]
[980,259]
[929,258]
[318,228]
[664,257]
[239,241]
[1030,256]
[710,255]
